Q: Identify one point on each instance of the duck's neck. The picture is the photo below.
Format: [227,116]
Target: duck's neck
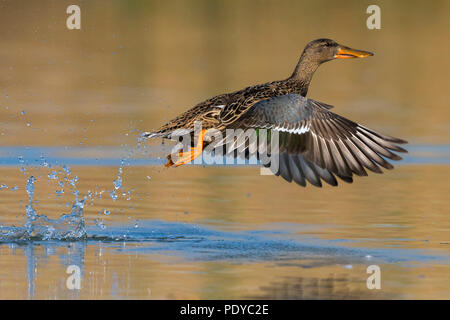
[304,72]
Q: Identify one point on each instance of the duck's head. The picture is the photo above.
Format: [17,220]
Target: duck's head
[322,50]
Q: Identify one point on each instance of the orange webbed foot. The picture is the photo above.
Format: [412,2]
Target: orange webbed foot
[188,156]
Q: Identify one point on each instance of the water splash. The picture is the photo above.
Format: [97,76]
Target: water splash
[75,191]
[117,183]
[70,226]
[30,212]
[53,175]
[38,227]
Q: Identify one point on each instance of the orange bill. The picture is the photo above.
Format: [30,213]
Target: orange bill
[349,53]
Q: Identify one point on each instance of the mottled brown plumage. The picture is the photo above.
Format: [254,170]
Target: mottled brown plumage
[222,110]
[315,143]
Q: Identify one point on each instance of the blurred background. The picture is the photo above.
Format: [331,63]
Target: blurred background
[220,232]
[137,64]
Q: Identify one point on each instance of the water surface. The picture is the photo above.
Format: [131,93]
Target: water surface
[218,232]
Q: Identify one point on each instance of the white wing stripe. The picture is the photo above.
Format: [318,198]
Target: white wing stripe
[303,129]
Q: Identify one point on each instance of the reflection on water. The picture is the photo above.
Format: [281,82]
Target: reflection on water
[334,287]
[178,247]
[218,232]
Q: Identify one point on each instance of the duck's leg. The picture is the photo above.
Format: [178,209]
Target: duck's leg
[186,157]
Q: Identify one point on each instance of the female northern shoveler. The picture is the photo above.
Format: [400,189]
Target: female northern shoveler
[314,143]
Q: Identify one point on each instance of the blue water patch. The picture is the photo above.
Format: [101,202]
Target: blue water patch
[197,242]
[111,156]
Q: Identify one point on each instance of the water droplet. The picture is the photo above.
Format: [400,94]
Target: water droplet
[100,223]
[53,175]
[118,182]
[31,214]
[66,170]
[113,195]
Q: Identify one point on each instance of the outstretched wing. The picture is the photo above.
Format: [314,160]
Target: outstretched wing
[315,143]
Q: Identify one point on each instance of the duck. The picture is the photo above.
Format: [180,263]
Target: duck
[315,145]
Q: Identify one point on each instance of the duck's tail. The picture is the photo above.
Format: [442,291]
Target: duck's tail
[165,133]
[152,134]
